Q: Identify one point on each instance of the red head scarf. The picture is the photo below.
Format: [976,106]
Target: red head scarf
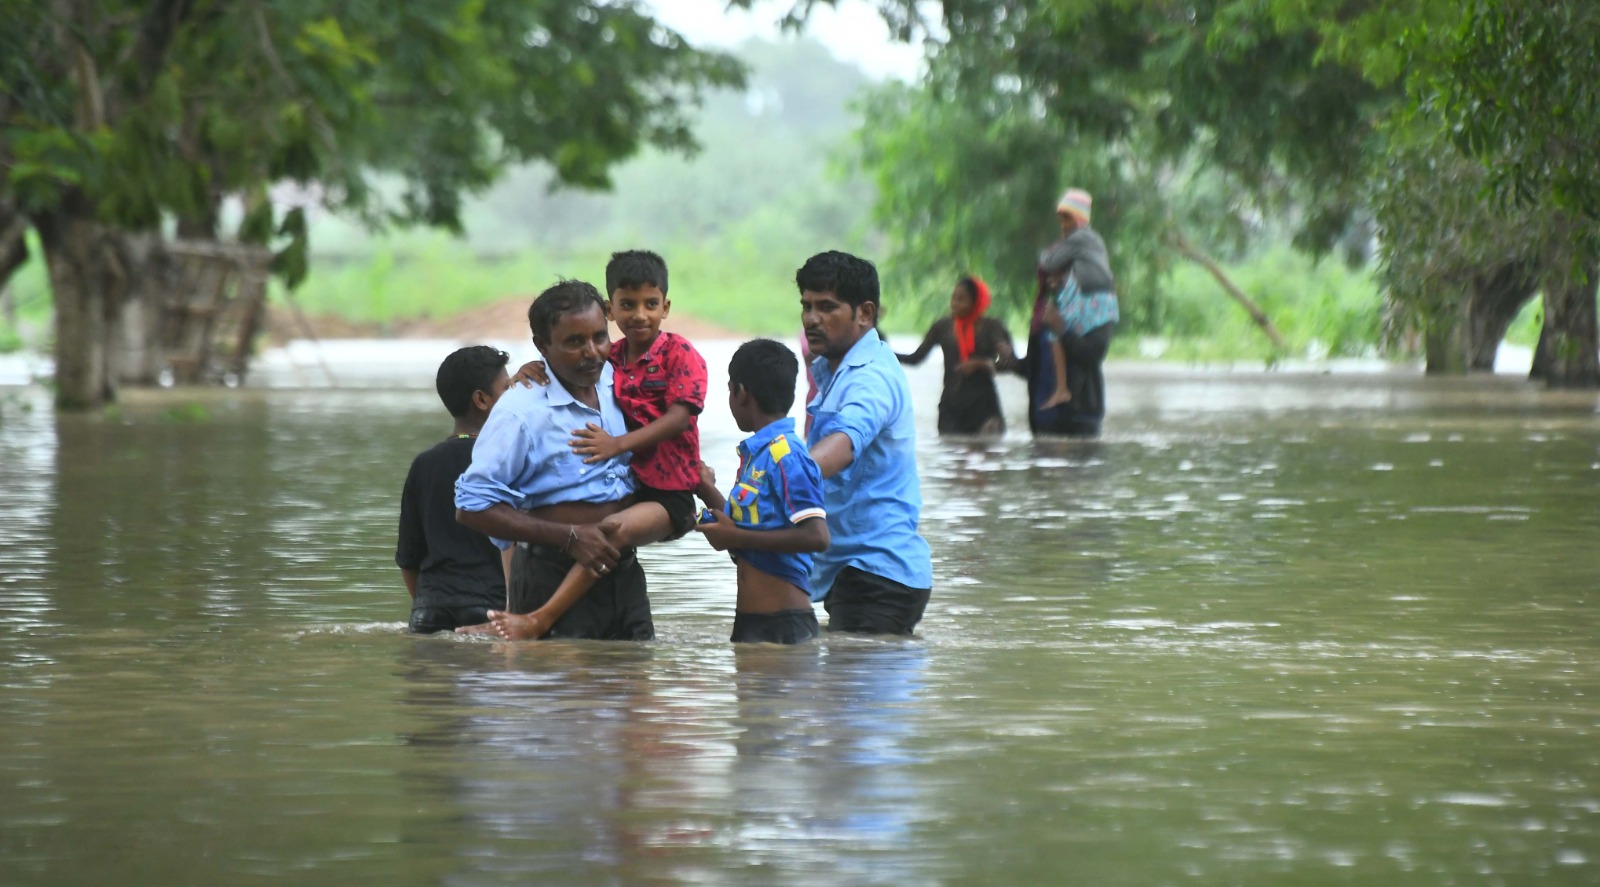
[967,327]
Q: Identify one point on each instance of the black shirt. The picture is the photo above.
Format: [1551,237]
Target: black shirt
[969,401]
[457,566]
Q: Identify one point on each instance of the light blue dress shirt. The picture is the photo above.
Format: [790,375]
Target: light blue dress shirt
[523,457]
[873,504]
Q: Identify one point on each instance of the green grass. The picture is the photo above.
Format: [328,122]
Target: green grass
[1320,308]
[735,281]
[30,297]
[433,276]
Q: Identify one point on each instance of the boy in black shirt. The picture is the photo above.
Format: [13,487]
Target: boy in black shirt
[454,574]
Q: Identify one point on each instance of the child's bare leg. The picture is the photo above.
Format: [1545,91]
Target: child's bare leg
[635,525]
[1058,356]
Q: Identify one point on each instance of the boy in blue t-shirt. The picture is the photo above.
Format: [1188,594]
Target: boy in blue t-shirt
[772,519]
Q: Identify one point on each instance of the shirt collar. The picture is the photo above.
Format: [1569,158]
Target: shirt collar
[556,392]
[860,354]
[755,442]
[619,350]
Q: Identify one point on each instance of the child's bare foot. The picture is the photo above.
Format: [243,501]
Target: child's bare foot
[517,626]
[1057,399]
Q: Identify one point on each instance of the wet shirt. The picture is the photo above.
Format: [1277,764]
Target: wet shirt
[456,565]
[524,459]
[671,371]
[779,485]
[874,504]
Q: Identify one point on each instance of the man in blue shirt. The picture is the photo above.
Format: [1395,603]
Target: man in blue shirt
[526,485]
[878,573]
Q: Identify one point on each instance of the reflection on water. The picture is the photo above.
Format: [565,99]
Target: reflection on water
[1271,628]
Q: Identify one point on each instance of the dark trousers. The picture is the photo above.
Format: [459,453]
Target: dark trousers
[870,604]
[615,609]
[427,620]
[782,627]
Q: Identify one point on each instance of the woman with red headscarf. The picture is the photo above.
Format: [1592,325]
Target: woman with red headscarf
[972,345]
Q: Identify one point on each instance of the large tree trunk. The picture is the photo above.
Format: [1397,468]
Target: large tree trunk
[1569,345]
[1493,302]
[88,278]
[1444,342]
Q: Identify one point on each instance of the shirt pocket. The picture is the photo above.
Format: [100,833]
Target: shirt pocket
[745,504]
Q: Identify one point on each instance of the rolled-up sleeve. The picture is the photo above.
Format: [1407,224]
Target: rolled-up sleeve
[865,406]
[499,460]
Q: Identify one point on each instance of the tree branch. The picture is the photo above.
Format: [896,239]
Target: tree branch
[1187,250]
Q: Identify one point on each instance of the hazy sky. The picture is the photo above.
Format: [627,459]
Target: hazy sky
[854,32]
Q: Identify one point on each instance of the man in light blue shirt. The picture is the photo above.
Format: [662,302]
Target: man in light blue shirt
[526,485]
[877,574]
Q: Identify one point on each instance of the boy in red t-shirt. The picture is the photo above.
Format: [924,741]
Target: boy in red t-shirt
[660,385]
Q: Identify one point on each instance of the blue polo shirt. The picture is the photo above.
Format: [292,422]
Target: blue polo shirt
[779,486]
[874,503]
[523,457]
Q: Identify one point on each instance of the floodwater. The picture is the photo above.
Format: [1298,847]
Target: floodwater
[1273,628]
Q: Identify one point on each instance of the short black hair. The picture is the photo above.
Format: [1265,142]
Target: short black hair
[465,371]
[767,369]
[566,297]
[853,279]
[631,269]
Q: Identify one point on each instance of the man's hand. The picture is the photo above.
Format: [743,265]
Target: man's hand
[591,548]
[721,533]
[532,373]
[594,443]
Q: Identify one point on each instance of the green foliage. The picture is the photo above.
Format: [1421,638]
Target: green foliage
[206,99]
[188,413]
[733,221]
[1521,91]
[1320,307]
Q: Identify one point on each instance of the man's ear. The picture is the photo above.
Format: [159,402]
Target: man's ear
[869,312]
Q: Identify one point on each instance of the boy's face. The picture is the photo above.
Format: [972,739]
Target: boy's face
[578,346]
[1068,222]
[638,314]
[832,326]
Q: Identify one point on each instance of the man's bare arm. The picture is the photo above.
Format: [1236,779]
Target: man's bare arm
[834,453]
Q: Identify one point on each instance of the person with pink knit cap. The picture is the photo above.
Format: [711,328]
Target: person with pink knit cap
[1086,299]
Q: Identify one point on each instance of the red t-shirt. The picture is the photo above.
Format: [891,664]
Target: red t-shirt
[670,372]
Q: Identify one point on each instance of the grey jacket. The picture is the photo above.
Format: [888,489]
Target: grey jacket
[1083,253]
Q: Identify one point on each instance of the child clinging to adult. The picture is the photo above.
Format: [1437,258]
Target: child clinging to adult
[1086,299]
[772,518]
[454,574]
[660,385]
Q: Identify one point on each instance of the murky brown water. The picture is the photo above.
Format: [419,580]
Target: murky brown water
[1272,629]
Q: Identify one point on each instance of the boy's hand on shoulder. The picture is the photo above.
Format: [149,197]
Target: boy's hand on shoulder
[593,443]
[720,532]
[532,373]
